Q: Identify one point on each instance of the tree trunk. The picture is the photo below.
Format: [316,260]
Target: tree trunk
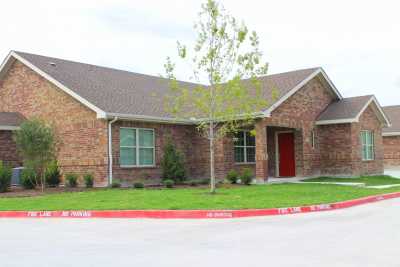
[43,180]
[212,160]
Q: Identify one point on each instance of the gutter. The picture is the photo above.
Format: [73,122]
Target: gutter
[110,157]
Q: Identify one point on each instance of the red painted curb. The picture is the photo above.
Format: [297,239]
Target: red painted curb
[194,214]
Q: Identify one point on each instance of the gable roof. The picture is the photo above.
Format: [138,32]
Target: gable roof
[117,93]
[393,112]
[10,120]
[348,110]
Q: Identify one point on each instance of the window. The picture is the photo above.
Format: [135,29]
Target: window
[245,147]
[367,141]
[136,147]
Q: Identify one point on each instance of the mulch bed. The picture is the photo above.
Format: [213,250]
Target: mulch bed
[16,191]
[20,192]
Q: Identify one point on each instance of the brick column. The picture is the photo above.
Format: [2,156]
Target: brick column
[261,152]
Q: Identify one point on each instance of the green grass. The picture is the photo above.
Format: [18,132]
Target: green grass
[368,180]
[245,197]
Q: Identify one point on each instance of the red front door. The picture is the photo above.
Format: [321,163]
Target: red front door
[287,166]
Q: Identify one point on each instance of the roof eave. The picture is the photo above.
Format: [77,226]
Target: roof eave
[9,128]
[338,121]
[391,134]
[268,111]
[12,56]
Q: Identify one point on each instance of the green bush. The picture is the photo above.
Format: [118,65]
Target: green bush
[5,177]
[232,176]
[115,184]
[169,183]
[88,179]
[28,178]
[247,176]
[52,174]
[138,185]
[71,180]
[172,164]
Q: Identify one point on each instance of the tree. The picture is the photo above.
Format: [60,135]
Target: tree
[35,142]
[227,57]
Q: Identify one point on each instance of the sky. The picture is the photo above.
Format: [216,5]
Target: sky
[356,42]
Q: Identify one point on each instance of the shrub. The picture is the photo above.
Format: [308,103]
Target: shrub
[5,177]
[88,179]
[52,174]
[232,176]
[169,183]
[28,178]
[172,164]
[71,180]
[115,184]
[138,185]
[247,176]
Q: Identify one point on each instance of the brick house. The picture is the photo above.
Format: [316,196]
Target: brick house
[391,137]
[112,123]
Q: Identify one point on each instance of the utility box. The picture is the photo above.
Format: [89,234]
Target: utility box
[16,176]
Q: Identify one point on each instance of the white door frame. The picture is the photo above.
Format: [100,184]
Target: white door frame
[277,150]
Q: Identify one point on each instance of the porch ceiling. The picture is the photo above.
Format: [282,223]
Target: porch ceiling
[10,120]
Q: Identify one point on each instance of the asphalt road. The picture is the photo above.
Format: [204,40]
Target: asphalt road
[361,236]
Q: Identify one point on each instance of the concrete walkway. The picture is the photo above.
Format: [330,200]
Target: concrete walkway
[361,236]
[395,172]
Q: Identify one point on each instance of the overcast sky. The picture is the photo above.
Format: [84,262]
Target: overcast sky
[356,42]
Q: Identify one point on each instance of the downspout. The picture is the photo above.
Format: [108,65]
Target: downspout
[110,157]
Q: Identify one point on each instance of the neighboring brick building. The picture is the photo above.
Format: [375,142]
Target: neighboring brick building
[308,130]
[391,137]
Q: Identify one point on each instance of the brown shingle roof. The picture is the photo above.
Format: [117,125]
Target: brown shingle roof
[393,112]
[347,108]
[122,92]
[10,119]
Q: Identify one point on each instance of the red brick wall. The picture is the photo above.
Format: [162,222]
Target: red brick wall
[341,147]
[368,121]
[8,149]
[336,149]
[391,146]
[185,138]
[81,137]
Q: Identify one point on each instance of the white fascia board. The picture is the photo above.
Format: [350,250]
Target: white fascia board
[391,134]
[147,118]
[5,65]
[268,111]
[339,95]
[163,119]
[373,99]
[9,128]
[340,121]
[100,113]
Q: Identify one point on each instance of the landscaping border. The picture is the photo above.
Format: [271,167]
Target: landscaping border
[195,214]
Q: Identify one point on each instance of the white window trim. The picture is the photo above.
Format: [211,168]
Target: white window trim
[245,146]
[313,139]
[372,158]
[137,148]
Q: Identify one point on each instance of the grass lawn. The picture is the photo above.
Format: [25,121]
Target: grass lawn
[243,197]
[368,180]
